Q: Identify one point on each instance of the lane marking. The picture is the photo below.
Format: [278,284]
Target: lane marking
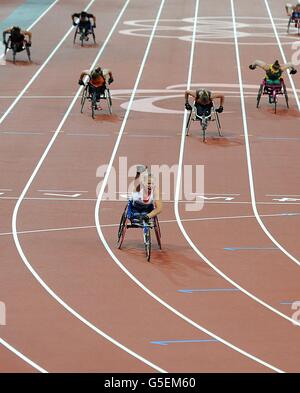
[22,356]
[63,195]
[285,303]
[161,222]
[282,53]
[102,190]
[167,342]
[208,290]
[25,190]
[63,191]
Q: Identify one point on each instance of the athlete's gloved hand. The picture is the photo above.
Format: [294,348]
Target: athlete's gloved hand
[293,71]
[94,26]
[28,44]
[74,24]
[252,67]
[110,80]
[188,106]
[80,82]
[146,219]
[220,109]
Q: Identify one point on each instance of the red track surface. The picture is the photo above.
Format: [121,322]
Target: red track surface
[74,262]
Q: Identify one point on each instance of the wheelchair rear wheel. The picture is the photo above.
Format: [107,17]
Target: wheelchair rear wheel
[259,94]
[147,242]
[286,96]
[108,99]
[188,123]
[157,232]
[84,97]
[122,229]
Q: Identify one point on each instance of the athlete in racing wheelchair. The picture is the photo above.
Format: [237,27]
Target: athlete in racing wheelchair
[17,40]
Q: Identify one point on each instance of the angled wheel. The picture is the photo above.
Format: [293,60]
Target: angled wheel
[28,54]
[75,35]
[289,24]
[188,123]
[286,96]
[94,105]
[84,97]
[122,229]
[275,103]
[108,100]
[157,232]
[14,51]
[259,94]
[147,243]
[94,37]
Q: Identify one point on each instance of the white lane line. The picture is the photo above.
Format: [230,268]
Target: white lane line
[247,146]
[21,356]
[23,91]
[62,191]
[37,20]
[102,190]
[178,189]
[161,222]
[21,198]
[63,195]
[282,53]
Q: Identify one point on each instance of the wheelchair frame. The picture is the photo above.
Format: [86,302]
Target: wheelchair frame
[80,31]
[204,120]
[292,20]
[272,91]
[13,48]
[92,98]
[131,222]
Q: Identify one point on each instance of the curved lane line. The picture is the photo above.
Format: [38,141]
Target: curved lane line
[108,249]
[21,356]
[26,188]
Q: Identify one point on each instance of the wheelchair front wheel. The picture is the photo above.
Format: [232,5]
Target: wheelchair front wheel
[259,94]
[147,242]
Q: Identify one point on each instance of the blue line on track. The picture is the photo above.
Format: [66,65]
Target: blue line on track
[251,248]
[208,290]
[167,342]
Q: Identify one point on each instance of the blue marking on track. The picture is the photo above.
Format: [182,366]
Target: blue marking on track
[208,290]
[167,342]
[288,302]
[250,248]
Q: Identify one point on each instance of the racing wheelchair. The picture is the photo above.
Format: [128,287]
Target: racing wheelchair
[132,219]
[272,91]
[294,19]
[17,47]
[209,115]
[92,98]
[84,34]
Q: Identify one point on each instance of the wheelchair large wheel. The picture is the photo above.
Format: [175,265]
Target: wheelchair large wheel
[84,97]
[14,52]
[286,96]
[157,232]
[188,123]
[108,100]
[75,35]
[259,94]
[122,229]
[94,37]
[147,242]
[28,54]
[94,105]
[289,24]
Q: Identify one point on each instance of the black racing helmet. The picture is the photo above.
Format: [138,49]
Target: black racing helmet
[83,14]
[16,29]
[276,65]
